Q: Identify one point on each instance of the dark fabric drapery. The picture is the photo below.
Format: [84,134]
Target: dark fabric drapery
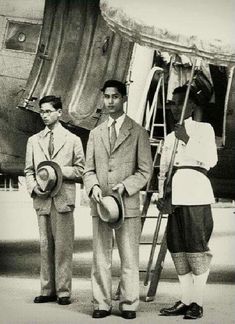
[76,54]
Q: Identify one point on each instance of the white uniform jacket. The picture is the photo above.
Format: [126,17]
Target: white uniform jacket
[190,187]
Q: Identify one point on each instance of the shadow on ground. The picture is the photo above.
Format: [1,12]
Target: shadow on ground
[22,258]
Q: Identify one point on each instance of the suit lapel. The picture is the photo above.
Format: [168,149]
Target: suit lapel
[105,136]
[124,132]
[43,143]
[59,140]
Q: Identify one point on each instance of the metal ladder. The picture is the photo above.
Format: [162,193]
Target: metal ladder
[153,275]
[150,122]
[156,143]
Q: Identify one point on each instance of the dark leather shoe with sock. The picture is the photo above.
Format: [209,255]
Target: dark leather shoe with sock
[44,299]
[128,314]
[194,311]
[100,313]
[178,309]
[64,301]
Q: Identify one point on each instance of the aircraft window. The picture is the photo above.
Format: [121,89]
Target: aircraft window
[21,36]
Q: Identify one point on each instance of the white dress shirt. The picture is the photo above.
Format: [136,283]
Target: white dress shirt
[118,124]
[56,132]
[190,187]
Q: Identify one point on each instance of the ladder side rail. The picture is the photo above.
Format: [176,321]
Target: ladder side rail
[170,171]
[153,248]
[154,106]
[143,100]
[164,106]
[156,274]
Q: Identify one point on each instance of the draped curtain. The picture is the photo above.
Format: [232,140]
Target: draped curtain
[76,54]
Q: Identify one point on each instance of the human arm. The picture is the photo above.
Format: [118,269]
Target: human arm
[29,170]
[75,171]
[165,159]
[138,180]
[89,175]
[201,145]
[181,133]
[31,183]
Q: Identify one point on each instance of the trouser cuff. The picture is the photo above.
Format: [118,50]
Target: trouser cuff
[181,263]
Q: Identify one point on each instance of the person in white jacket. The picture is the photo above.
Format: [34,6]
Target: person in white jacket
[190,225]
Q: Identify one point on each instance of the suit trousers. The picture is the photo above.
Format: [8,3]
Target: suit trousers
[127,238]
[56,246]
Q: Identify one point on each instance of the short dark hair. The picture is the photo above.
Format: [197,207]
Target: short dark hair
[182,90]
[53,100]
[120,86]
[201,89]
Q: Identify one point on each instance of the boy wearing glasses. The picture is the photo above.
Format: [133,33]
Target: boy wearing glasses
[55,214]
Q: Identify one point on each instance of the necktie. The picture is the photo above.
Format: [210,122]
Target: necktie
[113,135]
[51,144]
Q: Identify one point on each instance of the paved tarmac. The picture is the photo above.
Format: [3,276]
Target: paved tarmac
[17,307]
[19,240]
[20,262]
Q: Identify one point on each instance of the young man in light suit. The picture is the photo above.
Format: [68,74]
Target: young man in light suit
[116,164]
[55,214]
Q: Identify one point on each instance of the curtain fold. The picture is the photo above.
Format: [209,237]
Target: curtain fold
[76,54]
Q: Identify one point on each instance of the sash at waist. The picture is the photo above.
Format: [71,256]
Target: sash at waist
[199,169]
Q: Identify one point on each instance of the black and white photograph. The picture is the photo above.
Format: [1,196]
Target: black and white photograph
[117,161]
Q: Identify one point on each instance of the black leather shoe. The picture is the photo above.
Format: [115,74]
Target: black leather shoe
[100,313]
[63,301]
[194,311]
[44,299]
[178,309]
[128,314]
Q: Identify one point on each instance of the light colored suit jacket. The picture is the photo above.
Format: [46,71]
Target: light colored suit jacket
[68,153]
[130,162]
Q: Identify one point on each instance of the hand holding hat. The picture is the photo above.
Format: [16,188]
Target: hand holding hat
[49,178]
[96,194]
[39,192]
[111,211]
[120,188]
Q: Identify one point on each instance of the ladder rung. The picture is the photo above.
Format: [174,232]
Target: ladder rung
[158,125]
[142,270]
[154,217]
[154,140]
[149,243]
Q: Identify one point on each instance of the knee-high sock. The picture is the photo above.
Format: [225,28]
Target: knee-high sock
[186,285]
[199,283]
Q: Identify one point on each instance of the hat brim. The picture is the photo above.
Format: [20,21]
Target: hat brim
[117,224]
[120,220]
[59,175]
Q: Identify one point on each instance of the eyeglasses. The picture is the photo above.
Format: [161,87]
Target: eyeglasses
[46,112]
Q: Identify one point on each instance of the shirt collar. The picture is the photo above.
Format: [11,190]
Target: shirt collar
[55,130]
[188,121]
[119,120]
